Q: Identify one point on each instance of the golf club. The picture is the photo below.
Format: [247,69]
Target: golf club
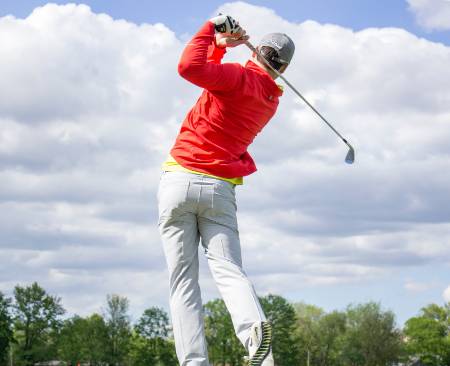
[350,158]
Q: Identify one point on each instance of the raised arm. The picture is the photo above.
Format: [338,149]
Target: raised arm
[200,61]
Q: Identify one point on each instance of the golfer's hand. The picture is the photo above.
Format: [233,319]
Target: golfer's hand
[223,41]
[225,24]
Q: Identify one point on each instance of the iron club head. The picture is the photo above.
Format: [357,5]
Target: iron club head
[350,158]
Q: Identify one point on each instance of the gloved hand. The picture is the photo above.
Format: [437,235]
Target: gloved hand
[226,25]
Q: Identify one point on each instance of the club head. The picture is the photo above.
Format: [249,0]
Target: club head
[350,158]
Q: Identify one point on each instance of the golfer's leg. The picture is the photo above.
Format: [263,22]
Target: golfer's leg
[180,237]
[220,238]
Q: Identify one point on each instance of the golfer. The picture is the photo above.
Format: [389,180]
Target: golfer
[196,196]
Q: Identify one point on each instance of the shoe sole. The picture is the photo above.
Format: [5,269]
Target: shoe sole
[265,346]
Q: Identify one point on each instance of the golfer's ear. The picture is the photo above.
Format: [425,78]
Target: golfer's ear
[283,68]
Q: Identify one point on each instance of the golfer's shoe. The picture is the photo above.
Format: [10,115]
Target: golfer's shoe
[260,345]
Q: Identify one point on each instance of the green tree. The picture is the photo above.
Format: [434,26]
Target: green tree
[439,313]
[154,323]
[331,330]
[283,318]
[84,340]
[141,351]
[37,317]
[372,338]
[320,335]
[6,332]
[119,328]
[308,334]
[150,343]
[428,335]
[223,345]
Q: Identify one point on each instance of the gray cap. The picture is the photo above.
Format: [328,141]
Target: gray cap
[282,44]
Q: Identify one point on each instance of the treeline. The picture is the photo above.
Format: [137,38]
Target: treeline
[33,330]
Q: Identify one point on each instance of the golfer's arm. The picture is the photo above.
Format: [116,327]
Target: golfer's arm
[215,54]
[203,71]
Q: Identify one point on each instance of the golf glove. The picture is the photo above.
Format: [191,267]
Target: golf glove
[226,25]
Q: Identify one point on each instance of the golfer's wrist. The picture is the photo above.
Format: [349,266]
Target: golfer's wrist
[218,45]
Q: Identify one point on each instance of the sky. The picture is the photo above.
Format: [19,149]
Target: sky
[91,102]
[184,16]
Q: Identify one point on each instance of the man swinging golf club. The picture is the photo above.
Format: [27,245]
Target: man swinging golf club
[196,196]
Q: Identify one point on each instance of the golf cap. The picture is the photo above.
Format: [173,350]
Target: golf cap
[282,44]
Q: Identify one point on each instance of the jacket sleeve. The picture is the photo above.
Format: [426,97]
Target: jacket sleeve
[215,54]
[200,63]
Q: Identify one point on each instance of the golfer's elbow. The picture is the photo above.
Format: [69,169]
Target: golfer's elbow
[191,72]
[185,69]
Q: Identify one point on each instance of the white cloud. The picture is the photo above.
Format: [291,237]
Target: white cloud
[431,14]
[446,294]
[416,287]
[89,107]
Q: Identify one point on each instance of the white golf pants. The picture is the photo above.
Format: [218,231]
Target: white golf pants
[193,207]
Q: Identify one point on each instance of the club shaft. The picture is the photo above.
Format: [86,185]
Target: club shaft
[249,45]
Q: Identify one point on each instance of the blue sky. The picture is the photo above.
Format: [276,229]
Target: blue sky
[184,16]
[89,107]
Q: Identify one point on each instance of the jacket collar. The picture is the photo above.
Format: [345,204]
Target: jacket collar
[276,89]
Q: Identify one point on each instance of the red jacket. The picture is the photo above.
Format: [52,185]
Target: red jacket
[236,104]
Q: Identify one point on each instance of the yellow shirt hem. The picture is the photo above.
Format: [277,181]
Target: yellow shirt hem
[171,165]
